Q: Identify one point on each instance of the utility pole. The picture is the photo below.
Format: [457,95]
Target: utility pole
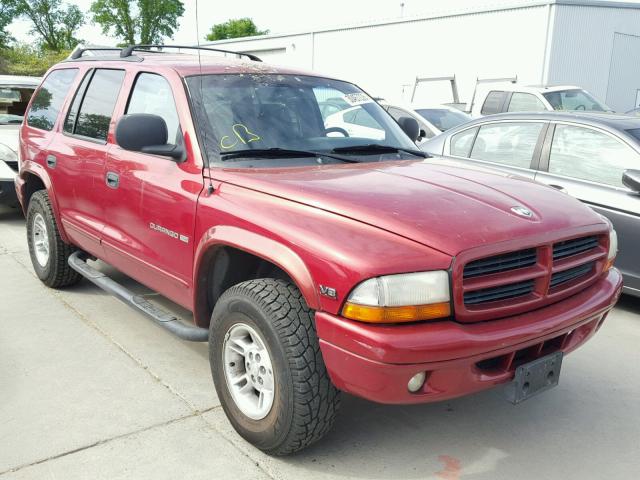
[402,10]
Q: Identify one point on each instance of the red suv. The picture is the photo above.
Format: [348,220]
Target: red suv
[314,261]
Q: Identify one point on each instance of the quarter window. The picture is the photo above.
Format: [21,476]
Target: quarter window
[510,144]
[461,142]
[493,103]
[98,103]
[48,101]
[152,94]
[525,102]
[590,155]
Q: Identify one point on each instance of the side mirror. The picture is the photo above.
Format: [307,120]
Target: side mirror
[631,179]
[146,133]
[410,127]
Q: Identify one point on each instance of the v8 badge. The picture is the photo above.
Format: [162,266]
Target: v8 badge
[328,292]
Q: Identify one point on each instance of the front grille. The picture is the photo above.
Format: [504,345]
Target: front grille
[573,247]
[12,165]
[500,263]
[503,292]
[559,278]
[516,281]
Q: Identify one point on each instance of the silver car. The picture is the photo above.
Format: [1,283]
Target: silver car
[594,157]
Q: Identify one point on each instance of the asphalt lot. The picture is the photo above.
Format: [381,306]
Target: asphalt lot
[91,389]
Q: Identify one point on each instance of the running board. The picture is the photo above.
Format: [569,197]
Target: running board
[78,261]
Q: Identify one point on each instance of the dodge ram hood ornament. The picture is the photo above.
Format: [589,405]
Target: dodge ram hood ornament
[522,211]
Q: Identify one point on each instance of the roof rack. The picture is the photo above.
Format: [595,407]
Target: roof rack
[128,51]
[77,53]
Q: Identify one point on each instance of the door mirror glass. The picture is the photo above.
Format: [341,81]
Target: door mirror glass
[410,127]
[631,180]
[146,133]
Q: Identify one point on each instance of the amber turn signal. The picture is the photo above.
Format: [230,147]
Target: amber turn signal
[410,313]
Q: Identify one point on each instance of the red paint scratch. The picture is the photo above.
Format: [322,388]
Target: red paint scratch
[452,468]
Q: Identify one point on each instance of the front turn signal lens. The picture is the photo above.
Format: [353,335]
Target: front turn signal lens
[408,313]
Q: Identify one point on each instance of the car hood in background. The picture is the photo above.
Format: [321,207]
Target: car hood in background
[445,207]
[9,136]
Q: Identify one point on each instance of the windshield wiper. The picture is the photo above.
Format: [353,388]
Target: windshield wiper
[279,153]
[374,148]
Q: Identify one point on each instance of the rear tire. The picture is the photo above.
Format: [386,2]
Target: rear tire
[49,253]
[268,321]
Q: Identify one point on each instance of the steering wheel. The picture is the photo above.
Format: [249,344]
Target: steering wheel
[580,107]
[336,129]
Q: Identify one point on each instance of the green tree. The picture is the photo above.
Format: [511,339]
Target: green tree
[138,22]
[239,27]
[52,21]
[7,14]
[22,59]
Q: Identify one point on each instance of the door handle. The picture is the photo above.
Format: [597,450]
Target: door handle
[51,161]
[113,180]
[559,187]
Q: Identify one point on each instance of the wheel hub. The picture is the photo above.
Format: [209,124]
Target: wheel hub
[248,371]
[40,240]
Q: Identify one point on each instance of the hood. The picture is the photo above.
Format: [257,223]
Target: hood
[9,136]
[449,208]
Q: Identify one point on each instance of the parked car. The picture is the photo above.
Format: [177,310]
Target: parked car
[594,157]
[513,97]
[313,262]
[432,120]
[15,93]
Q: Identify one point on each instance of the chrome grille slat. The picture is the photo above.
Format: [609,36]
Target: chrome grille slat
[501,263]
[573,247]
[499,293]
[559,278]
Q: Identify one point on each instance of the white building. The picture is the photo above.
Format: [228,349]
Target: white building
[594,44]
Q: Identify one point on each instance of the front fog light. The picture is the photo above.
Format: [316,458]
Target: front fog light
[416,382]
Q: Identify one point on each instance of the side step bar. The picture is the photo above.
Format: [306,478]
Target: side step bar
[191,333]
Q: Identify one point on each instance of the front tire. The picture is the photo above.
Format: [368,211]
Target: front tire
[49,253]
[267,366]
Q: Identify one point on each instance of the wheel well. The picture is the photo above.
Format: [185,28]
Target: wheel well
[33,183]
[221,268]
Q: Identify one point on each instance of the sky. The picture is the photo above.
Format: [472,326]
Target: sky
[278,16]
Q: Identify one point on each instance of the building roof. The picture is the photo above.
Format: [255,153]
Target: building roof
[19,81]
[455,12]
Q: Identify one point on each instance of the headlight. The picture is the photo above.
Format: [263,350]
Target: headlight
[6,154]
[407,297]
[613,247]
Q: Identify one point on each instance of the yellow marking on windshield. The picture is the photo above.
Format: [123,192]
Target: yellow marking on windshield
[242,133]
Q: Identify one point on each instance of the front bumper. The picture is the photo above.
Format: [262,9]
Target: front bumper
[376,361]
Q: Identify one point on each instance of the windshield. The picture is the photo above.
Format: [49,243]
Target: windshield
[575,99]
[443,118]
[13,103]
[294,112]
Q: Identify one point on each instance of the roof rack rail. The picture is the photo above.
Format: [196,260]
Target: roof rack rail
[77,53]
[128,51]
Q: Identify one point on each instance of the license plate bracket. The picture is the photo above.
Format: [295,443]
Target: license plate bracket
[534,377]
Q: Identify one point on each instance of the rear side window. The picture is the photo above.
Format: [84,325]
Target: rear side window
[493,103]
[461,142]
[525,102]
[152,94]
[507,143]
[48,101]
[97,104]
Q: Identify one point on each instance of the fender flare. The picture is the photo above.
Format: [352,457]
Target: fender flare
[37,170]
[255,244]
